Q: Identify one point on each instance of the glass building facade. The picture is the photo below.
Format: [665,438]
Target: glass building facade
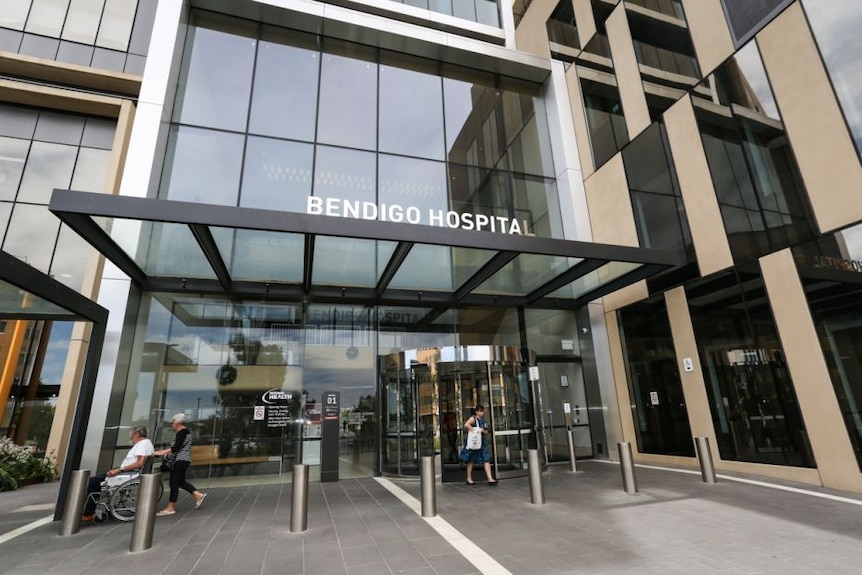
[628,221]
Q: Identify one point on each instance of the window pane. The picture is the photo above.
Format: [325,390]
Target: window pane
[216,82]
[83,21]
[487,13]
[91,170]
[13,155]
[748,16]
[5,212]
[348,117]
[49,166]
[31,235]
[277,174]
[172,251]
[256,255]
[59,128]
[99,133]
[284,104]
[46,17]
[202,166]
[836,26]
[17,122]
[473,106]
[411,111]
[116,26]
[70,259]
[14,13]
[345,174]
[349,262]
[408,182]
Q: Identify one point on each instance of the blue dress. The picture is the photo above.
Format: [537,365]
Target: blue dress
[477,455]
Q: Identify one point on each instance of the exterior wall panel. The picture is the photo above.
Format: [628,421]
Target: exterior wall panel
[698,193]
[709,33]
[826,155]
[627,71]
[833,452]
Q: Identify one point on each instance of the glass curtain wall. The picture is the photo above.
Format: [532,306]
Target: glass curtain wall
[754,407]
[835,24]
[410,133]
[831,273]
[760,192]
[481,11]
[655,388]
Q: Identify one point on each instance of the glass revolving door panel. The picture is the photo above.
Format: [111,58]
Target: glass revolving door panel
[427,395]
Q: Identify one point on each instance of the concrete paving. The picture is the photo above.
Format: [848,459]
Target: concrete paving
[676,524]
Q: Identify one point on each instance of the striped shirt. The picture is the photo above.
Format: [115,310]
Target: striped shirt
[182,446]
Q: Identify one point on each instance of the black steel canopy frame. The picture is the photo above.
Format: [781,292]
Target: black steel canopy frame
[22,276]
[77,210]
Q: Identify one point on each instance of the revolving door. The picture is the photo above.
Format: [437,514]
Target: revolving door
[427,395]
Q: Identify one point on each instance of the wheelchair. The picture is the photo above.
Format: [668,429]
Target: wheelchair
[118,496]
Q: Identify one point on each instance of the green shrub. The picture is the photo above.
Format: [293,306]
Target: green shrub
[17,463]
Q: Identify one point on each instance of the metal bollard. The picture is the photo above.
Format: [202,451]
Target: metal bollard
[299,499]
[573,463]
[71,523]
[429,488]
[704,456]
[145,512]
[537,486]
[630,482]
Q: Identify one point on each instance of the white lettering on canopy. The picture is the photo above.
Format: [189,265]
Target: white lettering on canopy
[337,207]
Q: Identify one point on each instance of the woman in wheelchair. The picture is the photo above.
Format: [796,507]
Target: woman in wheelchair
[131,465]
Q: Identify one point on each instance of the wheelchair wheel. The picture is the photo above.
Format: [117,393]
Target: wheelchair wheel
[124,500]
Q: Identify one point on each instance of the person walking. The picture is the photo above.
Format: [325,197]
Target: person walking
[476,449]
[182,451]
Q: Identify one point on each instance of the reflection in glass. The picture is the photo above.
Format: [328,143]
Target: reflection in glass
[409,182]
[345,174]
[256,255]
[91,170]
[830,272]
[656,198]
[751,395]
[595,279]
[15,300]
[116,25]
[527,134]
[13,155]
[31,235]
[48,166]
[15,13]
[760,191]
[202,166]
[277,174]
[426,267]
[605,120]
[561,25]
[171,250]
[655,388]
[70,259]
[46,17]
[82,21]
[348,117]
[285,104]
[836,28]
[473,109]
[525,273]
[349,262]
[411,109]
[215,83]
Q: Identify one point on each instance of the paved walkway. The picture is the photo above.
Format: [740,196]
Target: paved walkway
[589,526]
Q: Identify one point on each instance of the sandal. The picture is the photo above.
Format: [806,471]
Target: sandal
[200,501]
[165,512]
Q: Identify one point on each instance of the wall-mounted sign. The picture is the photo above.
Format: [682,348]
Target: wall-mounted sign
[534,373]
[277,407]
[688,364]
[340,208]
[259,413]
[653,398]
[564,381]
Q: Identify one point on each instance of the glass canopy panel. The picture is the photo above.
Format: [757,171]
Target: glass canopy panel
[349,261]
[525,273]
[255,255]
[595,279]
[14,300]
[167,249]
[442,268]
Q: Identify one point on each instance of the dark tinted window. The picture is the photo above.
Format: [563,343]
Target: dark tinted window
[655,389]
[747,17]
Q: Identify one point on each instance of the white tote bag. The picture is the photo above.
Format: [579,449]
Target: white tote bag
[474,438]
